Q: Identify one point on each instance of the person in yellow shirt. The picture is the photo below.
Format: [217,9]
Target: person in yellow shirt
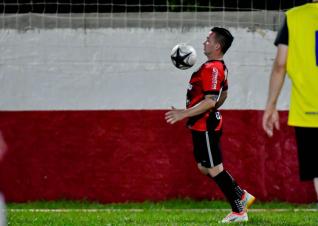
[297,54]
[3,149]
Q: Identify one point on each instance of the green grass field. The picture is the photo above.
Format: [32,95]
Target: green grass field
[174,212]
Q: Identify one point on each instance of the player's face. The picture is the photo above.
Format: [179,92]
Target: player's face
[210,45]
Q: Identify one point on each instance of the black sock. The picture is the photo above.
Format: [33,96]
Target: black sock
[227,185]
[238,190]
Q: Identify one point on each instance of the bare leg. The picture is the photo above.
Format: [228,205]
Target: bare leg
[2,211]
[316,186]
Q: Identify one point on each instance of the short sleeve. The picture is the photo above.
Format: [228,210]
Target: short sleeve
[282,35]
[212,80]
[225,86]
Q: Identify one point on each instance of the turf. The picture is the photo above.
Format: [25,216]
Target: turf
[173,212]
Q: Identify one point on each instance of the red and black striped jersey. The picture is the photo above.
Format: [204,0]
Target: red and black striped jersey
[211,78]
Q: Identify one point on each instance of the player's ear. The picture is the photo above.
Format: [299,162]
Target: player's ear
[217,46]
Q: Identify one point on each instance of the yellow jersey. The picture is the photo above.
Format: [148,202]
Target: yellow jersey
[302,64]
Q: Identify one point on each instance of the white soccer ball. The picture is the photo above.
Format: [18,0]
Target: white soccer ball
[183,56]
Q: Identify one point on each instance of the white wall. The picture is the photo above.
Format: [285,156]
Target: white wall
[123,68]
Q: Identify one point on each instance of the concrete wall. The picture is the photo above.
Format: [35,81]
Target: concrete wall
[83,69]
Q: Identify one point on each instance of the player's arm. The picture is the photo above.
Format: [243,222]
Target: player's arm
[221,100]
[206,104]
[271,117]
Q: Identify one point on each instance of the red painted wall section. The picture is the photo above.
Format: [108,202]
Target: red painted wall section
[133,155]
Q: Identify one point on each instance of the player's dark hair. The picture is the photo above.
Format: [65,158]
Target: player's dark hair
[224,37]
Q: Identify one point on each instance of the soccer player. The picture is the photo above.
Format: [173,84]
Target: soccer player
[297,53]
[206,93]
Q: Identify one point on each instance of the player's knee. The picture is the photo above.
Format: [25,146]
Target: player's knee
[214,171]
[203,169]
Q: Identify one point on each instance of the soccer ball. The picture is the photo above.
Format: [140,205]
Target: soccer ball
[183,56]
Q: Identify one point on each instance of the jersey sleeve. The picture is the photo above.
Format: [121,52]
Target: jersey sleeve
[225,86]
[213,80]
[282,35]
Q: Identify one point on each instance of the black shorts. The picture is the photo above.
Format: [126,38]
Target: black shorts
[307,152]
[206,144]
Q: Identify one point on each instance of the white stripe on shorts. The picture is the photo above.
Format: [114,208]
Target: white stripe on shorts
[209,148]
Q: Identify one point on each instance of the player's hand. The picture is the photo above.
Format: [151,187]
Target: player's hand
[174,115]
[270,120]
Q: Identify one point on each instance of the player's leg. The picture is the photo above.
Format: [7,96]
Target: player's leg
[225,181]
[237,197]
[208,155]
[215,132]
[228,186]
[306,145]
[203,169]
[246,199]
[316,189]
[2,211]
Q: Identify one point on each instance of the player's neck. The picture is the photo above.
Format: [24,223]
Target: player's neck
[215,58]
